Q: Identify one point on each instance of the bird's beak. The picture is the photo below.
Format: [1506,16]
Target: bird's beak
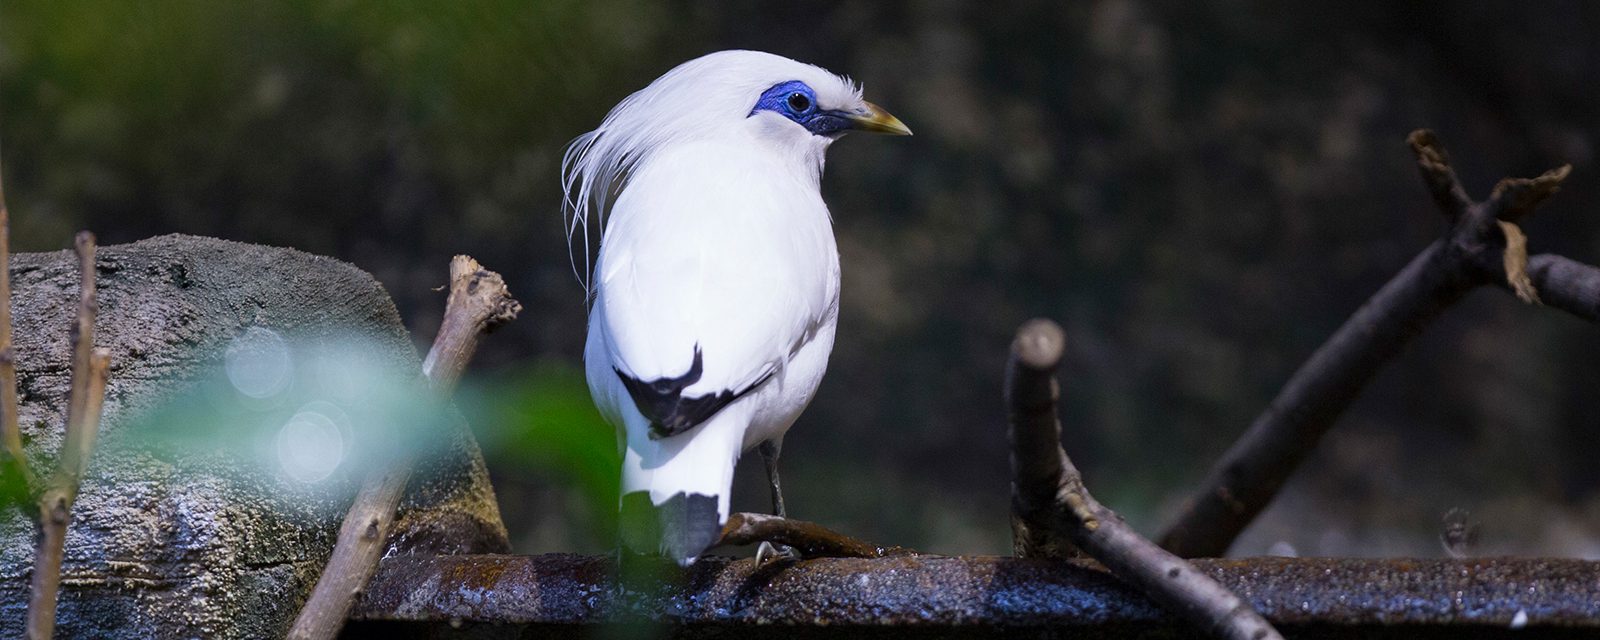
[873,119]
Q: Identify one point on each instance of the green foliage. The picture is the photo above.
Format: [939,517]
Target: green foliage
[539,422]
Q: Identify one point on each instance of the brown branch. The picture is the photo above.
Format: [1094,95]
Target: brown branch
[13,462]
[478,303]
[1482,245]
[810,539]
[89,369]
[1048,494]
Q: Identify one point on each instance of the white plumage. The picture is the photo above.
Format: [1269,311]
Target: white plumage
[716,288]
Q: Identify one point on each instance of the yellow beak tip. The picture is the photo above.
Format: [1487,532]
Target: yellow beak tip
[874,119]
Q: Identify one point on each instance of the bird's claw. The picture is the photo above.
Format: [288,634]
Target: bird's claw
[768,552]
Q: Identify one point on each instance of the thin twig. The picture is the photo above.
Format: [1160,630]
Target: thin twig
[810,539]
[89,369]
[478,303]
[1049,496]
[14,460]
[1482,245]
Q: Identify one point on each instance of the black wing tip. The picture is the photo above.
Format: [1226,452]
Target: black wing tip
[662,401]
[682,528]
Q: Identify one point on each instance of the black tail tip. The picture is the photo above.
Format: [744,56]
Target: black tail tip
[682,528]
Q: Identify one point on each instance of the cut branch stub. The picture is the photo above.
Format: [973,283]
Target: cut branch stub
[1482,245]
[1059,513]
[1434,163]
[1037,467]
[479,303]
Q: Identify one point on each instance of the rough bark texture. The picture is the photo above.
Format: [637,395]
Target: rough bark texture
[214,546]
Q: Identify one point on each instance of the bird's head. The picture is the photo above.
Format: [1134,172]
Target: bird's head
[754,98]
[733,93]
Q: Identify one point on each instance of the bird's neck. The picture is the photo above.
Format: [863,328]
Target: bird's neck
[804,154]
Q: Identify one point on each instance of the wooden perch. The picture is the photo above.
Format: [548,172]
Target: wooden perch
[89,369]
[916,597]
[1482,245]
[478,303]
[1059,514]
[810,539]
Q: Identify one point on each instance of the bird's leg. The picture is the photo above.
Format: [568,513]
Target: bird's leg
[769,454]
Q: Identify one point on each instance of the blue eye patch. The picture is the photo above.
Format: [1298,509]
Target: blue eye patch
[796,101]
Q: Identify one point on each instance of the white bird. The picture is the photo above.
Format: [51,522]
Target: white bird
[716,289]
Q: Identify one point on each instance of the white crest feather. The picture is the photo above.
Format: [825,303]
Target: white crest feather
[695,100]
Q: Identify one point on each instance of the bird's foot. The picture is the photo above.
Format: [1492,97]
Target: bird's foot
[768,552]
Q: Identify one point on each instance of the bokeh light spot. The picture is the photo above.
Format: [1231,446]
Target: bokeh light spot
[258,363]
[313,443]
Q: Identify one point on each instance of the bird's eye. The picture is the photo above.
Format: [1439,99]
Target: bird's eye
[799,102]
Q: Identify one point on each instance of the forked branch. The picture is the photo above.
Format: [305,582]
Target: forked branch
[1482,245]
[1048,495]
[478,303]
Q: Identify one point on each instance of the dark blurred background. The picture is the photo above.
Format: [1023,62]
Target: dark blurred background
[1200,192]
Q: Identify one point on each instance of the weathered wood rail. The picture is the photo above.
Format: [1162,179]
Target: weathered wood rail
[494,596]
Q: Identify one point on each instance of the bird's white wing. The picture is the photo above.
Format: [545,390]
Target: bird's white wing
[708,280]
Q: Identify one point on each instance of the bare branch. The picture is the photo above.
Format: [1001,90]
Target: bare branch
[1037,462]
[1482,245]
[89,369]
[1252,471]
[478,303]
[1041,468]
[10,429]
[811,539]
[1568,285]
